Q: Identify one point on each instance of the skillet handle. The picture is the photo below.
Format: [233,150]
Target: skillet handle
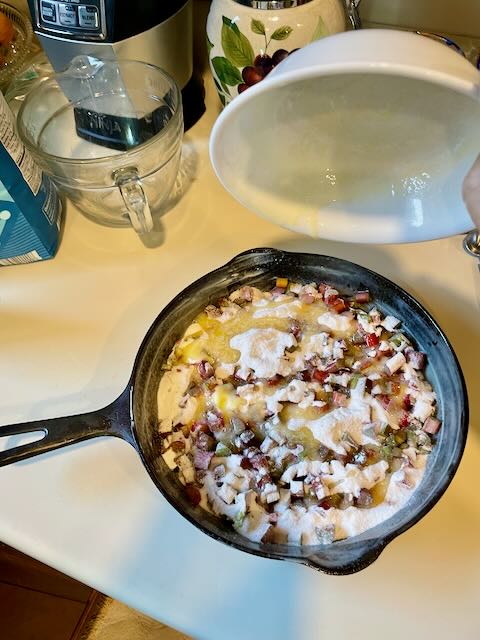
[113,420]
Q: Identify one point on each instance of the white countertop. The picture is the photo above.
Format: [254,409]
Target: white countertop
[69,331]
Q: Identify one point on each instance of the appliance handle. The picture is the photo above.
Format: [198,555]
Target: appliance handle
[113,420]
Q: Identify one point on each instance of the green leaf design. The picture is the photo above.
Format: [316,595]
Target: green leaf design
[209,45]
[257,27]
[282,33]
[221,88]
[320,30]
[231,25]
[223,100]
[235,45]
[226,72]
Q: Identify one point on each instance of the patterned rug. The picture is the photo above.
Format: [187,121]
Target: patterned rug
[113,620]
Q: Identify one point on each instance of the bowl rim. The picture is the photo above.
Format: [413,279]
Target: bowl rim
[175,120]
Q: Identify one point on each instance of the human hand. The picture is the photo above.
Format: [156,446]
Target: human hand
[471,192]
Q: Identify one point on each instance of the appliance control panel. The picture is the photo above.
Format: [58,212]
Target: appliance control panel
[77,19]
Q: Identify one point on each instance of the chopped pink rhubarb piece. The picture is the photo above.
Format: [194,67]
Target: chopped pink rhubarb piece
[432,425]
[202,459]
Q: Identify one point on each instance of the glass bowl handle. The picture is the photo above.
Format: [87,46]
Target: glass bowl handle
[133,194]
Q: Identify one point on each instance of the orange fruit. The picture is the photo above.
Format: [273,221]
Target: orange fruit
[7,31]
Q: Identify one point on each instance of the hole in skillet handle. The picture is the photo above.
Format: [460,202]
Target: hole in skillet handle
[113,420]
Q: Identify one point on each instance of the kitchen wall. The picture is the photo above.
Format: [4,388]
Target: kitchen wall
[448,16]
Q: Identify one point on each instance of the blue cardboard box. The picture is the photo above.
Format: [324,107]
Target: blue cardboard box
[30,209]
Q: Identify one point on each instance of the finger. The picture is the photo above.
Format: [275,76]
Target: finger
[471,192]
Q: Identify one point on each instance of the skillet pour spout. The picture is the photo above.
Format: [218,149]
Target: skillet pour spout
[344,563]
[134,415]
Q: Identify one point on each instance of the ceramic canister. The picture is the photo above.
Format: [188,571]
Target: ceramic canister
[246,39]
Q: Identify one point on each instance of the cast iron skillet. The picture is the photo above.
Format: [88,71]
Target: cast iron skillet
[133,416]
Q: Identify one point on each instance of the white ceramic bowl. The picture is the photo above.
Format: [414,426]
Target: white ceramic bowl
[363,136]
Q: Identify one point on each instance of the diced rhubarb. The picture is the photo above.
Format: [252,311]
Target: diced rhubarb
[320,376]
[200,475]
[322,287]
[273,382]
[330,296]
[385,401]
[246,294]
[338,305]
[277,291]
[362,297]
[219,472]
[432,425]
[404,421]
[250,452]
[193,494]
[371,340]
[200,425]
[212,311]
[205,370]
[339,399]
[407,402]
[364,499]
[365,363]
[416,358]
[202,459]
[295,328]
[305,376]
[259,461]
[245,463]
[262,481]
[215,422]
[307,298]
[333,367]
